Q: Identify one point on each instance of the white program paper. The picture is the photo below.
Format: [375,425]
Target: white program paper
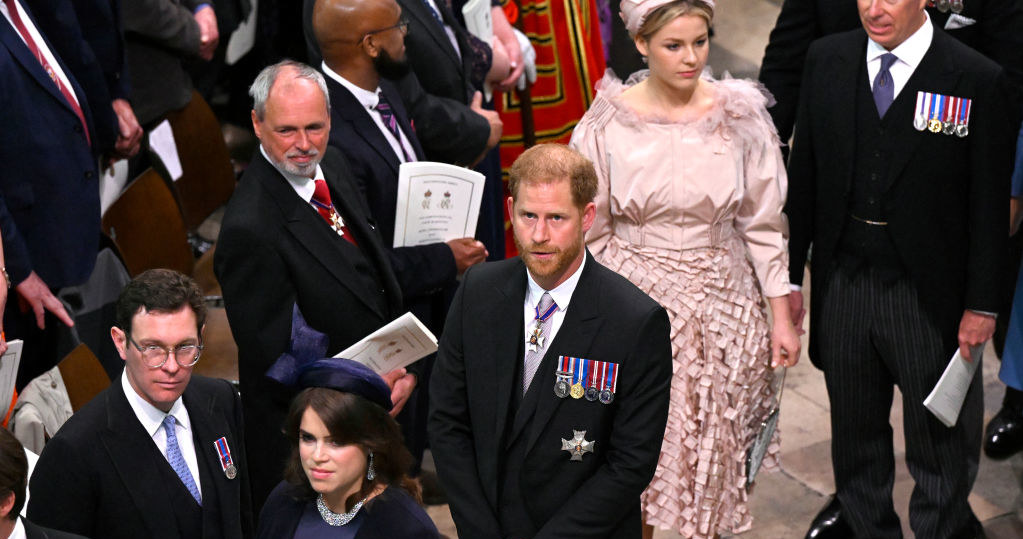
[437,202]
[9,374]
[401,342]
[946,399]
[161,141]
[243,37]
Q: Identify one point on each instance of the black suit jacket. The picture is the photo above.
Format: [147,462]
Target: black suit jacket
[275,251]
[946,197]
[996,34]
[49,203]
[392,514]
[608,319]
[421,270]
[38,532]
[100,477]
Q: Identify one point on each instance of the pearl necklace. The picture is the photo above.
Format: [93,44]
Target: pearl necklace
[336,519]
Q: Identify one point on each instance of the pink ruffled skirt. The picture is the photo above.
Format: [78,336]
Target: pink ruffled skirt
[722,383]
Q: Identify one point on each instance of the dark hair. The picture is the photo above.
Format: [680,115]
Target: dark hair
[548,163]
[351,419]
[13,471]
[159,290]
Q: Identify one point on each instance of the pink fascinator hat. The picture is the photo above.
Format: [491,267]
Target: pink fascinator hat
[634,12]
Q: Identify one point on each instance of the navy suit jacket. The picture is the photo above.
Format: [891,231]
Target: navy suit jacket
[100,477]
[49,190]
[421,270]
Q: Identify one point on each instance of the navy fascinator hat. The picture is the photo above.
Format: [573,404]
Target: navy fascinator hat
[304,365]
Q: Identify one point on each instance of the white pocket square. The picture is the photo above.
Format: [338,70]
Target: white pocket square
[958,21]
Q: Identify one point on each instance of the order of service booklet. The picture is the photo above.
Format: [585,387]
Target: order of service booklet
[9,374]
[437,202]
[401,342]
[946,399]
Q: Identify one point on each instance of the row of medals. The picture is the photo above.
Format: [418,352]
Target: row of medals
[944,6]
[934,125]
[563,389]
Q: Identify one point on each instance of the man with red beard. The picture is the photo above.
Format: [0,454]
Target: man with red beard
[550,391]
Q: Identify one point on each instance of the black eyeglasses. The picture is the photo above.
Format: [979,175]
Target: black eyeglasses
[155,356]
[402,25]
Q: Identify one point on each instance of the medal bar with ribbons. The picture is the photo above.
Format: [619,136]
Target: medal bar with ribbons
[939,113]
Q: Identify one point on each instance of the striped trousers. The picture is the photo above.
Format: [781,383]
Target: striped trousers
[873,335]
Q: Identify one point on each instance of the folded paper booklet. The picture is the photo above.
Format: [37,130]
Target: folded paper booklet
[437,202]
[9,374]
[403,341]
[946,399]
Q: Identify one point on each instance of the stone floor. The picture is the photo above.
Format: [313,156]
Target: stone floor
[785,501]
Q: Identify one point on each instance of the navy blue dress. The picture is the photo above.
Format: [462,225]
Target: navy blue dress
[391,514]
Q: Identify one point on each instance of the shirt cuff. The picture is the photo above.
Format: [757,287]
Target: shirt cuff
[795,287]
[985,313]
[201,6]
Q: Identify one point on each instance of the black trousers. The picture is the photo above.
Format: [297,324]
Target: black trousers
[873,335]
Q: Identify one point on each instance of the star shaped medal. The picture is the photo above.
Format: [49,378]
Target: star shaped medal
[578,445]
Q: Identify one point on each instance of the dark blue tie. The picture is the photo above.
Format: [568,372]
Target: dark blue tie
[177,460]
[884,87]
[436,16]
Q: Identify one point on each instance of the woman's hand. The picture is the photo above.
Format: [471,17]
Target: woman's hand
[785,344]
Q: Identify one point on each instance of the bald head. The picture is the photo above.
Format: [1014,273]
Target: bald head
[340,24]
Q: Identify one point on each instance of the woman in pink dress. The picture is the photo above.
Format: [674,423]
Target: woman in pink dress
[689,208]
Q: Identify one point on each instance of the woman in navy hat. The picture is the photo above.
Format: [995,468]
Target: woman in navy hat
[347,474]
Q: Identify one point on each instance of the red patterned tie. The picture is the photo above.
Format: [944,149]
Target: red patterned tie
[12,8]
[321,201]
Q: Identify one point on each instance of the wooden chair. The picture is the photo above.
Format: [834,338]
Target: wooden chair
[207,177]
[83,376]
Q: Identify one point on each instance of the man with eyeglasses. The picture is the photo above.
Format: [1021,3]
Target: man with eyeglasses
[159,453]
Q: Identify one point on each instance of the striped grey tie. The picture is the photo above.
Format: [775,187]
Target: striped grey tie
[534,356]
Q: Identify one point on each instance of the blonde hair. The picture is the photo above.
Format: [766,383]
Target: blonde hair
[661,16]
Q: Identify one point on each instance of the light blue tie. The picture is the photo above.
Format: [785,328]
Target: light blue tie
[177,461]
[884,87]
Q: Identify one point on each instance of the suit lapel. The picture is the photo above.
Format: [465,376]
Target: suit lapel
[20,52]
[210,426]
[311,232]
[350,110]
[506,349]
[134,457]
[843,70]
[936,73]
[575,336]
[420,10]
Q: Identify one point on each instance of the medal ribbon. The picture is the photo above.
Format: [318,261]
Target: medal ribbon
[614,377]
[920,104]
[576,370]
[932,104]
[540,318]
[223,451]
[966,114]
[949,102]
[586,370]
[942,104]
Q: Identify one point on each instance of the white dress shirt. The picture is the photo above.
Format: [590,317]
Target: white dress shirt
[369,100]
[19,529]
[152,421]
[562,295]
[910,52]
[40,42]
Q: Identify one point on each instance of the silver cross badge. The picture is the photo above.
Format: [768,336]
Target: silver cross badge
[577,445]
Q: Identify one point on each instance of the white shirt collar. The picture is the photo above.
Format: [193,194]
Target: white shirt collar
[367,98]
[911,51]
[302,185]
[562,294]
[19,530]
[150,416]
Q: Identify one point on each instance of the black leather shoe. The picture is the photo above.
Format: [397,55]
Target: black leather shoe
[1003,437]
[828,524]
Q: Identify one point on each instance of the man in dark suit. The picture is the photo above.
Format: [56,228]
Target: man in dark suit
[49,204]
[908,228]
[362,42]
[516,458]
[13,480]
[159,453]
[280,245]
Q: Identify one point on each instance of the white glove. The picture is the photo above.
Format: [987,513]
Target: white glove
[528,58]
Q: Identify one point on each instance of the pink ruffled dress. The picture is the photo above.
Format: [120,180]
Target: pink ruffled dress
[692,214]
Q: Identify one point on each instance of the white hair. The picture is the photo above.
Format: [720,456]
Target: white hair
[260,89]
